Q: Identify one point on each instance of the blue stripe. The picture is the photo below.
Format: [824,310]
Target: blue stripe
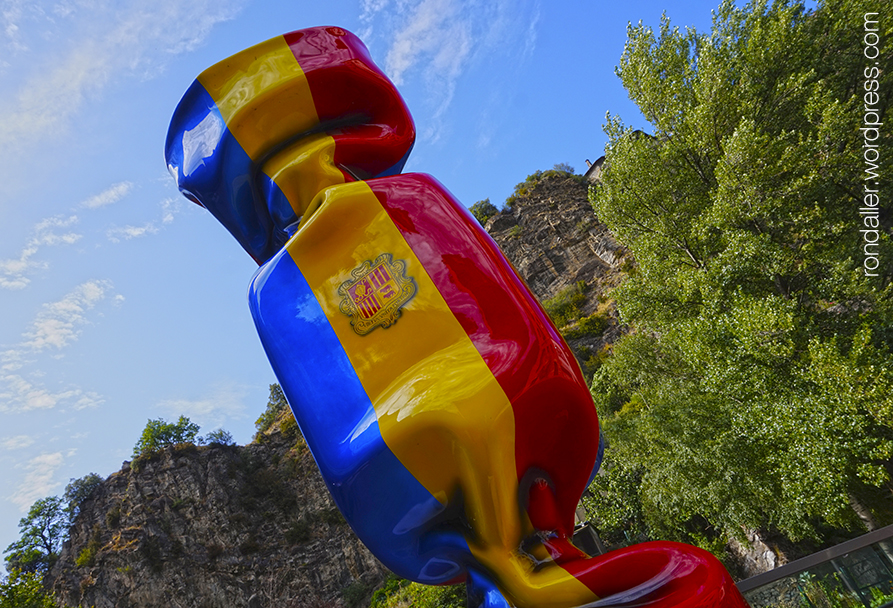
[212,168]
[391,512]
[279,208]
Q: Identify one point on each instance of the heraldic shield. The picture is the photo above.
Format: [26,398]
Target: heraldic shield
[376,293]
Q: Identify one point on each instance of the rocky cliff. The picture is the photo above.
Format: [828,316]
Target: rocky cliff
[215,526]
[568,258]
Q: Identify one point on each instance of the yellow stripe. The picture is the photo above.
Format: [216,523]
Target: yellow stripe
[262,95]
[265,100]
[439,408]
[304,169]
[413,369]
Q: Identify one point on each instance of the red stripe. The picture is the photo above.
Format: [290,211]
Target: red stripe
[377,279]
[555,421]
[347,85]
[369,307]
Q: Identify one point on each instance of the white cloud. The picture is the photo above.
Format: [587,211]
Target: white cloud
[110,195]
[87,400]
[131,232]
[55,327]
[222,403]
[14,272]
[370,7]
[436,41]
[38,482]
[54,95]
[21,395]
[57,324]
[11,360]
[530,37]
[124,39]
[11,13]
[169,208]
[434,31]
[17,442]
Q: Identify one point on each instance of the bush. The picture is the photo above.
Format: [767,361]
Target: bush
[289,427]
[594,361]
[113,516]
[298,532]
[332,516]
[218,437]
[398,592]
[614,503]
[77,491]
[355,593]
[159,434]
[249,546]
[523,189]
[392,586]
[592,325]
[86,556]
[276,404]
[483,210]
[150,549]
[564,308]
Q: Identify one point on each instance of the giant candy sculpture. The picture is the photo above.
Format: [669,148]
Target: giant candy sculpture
[446,414]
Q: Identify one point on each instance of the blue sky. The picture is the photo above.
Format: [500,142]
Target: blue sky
[121,301]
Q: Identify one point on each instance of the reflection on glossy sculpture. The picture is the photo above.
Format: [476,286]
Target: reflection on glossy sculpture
[446,414]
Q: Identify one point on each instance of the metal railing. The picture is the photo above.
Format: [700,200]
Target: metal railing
[857,573]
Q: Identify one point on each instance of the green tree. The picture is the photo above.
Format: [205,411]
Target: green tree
[276,404]
[160,434]
[77,491]
[755,389]
[218,437]
[398,592]
[614,505]
[24,590]
[41,532]
[483,210]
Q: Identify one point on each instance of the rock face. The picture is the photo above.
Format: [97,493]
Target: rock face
[215,526]
[558,240]
[553,238]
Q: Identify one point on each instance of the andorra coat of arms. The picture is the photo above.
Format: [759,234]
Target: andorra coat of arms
[376,293]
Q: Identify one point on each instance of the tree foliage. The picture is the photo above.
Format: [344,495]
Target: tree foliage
[76,492]
[398,592]
[24,590]
[564,307]
[41,533]
[756,387]
[159,434]
[483,210]
[563,167]
[276,404]
[218,437]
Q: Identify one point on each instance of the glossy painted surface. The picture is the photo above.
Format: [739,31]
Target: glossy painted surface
[258,135]
[446,414]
